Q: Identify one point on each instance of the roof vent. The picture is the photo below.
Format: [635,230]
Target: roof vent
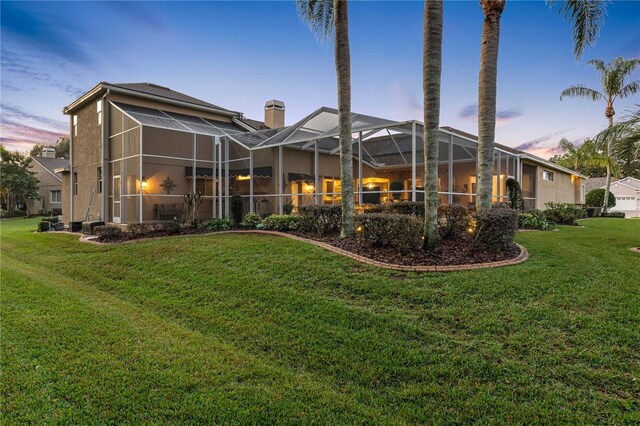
[274,114]
[157,85]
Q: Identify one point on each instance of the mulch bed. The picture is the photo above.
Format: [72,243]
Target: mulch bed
[452,252]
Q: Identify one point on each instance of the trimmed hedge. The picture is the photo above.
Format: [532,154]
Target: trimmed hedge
[44,226]
[515,194]
[453,220]
[563,213]
[108,232]
[415,208]
[51,220]
[495,228]
[281,222]
[595,198]
[612,214]
[399,231]
[320,220]
[12,213]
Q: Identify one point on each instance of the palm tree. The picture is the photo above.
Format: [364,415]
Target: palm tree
[431,72]
[586,18]
[625,137]
[612,79]
[326,17]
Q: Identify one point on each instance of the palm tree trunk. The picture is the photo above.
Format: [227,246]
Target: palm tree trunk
[607,183]
[431,76]
[492,10]
[343,73]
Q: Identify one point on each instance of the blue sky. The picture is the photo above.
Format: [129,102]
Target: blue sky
[240,54]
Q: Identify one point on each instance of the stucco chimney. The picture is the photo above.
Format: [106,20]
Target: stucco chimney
[274,114]
[49,152]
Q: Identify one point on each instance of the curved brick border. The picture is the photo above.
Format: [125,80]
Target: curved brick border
[523,256]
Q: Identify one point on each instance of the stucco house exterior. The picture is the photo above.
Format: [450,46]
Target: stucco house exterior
[627,193]
[137,148]
[50,181]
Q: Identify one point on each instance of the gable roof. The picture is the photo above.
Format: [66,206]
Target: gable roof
[149,91]
[594,183]
[629,182]
[51,164]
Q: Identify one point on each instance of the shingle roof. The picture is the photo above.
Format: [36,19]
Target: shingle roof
[594,183]
[52,163]
[165,92]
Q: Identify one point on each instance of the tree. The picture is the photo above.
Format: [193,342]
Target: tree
[585,159]
[326,17]
[585,16]
[61,147]
[17,182]
[431,77]
[612,81]
[625,137]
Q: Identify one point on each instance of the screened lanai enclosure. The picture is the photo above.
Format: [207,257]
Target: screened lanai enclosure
[158,156]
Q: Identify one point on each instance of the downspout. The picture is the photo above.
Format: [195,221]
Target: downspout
[103,163]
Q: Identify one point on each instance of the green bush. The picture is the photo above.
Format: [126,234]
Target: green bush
[514,193]
[236,209]
[453,220]
[595,198]
[51,220]
[108,232]
[56,212]
[135,230]
[281,222]
[12,213]
[612,214]
[320,220]
[563,213]
[44,226]
[399,231]
[495,228]
[170,227]
[219,224]
[252,220]
[405,207]
[369,208]
[535,219]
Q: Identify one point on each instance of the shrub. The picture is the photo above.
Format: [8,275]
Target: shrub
[252,220]
[495,228]
[399,231]
[236,209]
[56,212]
[287,208]
[369,208]
[320,220]
[13,213]
[108,232]
[595,198]
[405,207]
[51,220]
[514,193]
[281,222]
[563,213]
[44,226]
[219,224]
[535,219]
[88,228]
[454,220]
[170,227]
[612,214]
[135,230]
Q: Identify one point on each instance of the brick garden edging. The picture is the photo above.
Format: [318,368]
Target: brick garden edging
[523,256]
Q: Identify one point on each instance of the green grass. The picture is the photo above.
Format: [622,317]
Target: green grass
[260,329]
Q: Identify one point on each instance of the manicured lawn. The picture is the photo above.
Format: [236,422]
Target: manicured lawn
[259,329]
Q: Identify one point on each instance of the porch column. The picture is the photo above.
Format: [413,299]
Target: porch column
[360,168]
[226,176]
[280,183]
[518,171]
[213,176]
[450,175]
[141,175]
[499,179]
[413,161]
[316,172]
[219,144]
[250,181]
[193,166]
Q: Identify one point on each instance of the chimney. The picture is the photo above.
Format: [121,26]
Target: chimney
[274,114]
[48,152]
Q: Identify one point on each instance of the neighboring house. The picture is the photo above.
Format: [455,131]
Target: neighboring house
[137,148]
[50,182]
[627,193]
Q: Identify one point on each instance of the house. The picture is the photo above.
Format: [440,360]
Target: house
[137,148]
[50,182]
[627,193]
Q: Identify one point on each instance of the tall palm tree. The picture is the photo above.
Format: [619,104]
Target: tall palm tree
[327,17]
[612,79]
[585,17]
[431,76]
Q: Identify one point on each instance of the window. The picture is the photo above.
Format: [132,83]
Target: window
[99,110]
[75,184]
[99,180]
[547,175]
[56,196]
[205,187]
[75,125]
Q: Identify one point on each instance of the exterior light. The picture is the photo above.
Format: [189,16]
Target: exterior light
[370,185]
[242,177]
[144,184]
[359,229]
[309,188]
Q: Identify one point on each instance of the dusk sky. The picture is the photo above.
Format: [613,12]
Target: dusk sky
[240,54]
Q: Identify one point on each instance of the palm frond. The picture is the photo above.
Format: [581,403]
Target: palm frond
[630,89]
[581,91]
[318,15]
[586,17]
[566,146]
[618,130]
